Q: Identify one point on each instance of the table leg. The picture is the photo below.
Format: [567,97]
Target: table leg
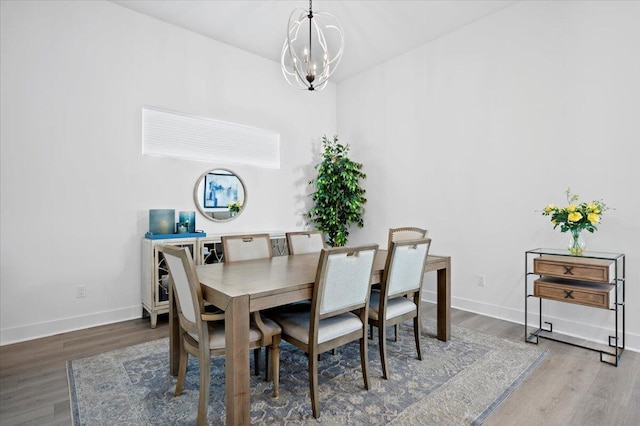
[237,391]
[444,302]
[174,334]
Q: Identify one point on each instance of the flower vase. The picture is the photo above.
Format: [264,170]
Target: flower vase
[576,243]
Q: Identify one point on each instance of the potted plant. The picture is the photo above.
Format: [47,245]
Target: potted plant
[338,200]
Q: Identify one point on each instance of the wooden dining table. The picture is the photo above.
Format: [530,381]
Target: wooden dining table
[248,286]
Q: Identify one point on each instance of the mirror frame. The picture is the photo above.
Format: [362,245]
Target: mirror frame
[199,188]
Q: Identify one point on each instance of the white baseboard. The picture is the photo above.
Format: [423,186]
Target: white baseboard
[50,328]
[575,329]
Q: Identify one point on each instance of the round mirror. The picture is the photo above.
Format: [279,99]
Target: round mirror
[220,195]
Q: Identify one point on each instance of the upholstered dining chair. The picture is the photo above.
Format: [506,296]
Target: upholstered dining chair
[399,297]
[401,234]
[236,248]
[339,310]
[202,333]
[246,247]
[405,233]
[301,242]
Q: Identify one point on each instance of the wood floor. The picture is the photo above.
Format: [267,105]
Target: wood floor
[570,387]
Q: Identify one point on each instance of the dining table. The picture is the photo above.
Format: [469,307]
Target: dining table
[240,288]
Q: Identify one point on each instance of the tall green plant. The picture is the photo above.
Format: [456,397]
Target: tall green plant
[338,200]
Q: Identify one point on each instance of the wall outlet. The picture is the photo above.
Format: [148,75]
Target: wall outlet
[481,280]
[81,291]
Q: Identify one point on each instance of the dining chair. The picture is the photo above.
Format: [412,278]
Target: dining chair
[401,234]
[246,247]
[405,233]
[302,242]
[339,310]
[399,297]
[236,248]
[202,333]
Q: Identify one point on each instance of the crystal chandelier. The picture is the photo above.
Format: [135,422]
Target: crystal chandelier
[308,62]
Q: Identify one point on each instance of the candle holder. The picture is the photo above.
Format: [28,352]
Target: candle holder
[162,221]
[188,219]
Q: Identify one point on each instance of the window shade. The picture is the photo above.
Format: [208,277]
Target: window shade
[176,135]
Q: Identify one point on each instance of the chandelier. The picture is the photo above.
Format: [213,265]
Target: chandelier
[312,50]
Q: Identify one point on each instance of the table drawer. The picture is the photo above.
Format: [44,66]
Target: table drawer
[579,292]
[575,268]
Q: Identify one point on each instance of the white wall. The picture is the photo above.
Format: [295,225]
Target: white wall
[468,136]
[75,188]
[473,134]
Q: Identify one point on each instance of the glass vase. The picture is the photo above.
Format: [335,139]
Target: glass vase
[576,242]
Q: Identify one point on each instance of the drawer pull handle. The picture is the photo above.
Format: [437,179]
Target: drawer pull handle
[568,270]
[568,294]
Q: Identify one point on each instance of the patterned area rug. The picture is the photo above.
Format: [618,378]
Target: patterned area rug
[459,382]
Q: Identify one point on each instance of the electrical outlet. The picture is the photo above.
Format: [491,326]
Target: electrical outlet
[81,291]
[481,280]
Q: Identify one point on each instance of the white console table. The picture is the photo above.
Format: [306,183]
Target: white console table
[155,275]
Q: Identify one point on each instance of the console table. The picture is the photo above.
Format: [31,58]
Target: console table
[155,274]
[593,279]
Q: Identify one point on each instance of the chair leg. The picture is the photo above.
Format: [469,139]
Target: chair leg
[364,359]
[313,384]
[256,361]
[417,330]
[203,400]
[182,370]
[275,365]
[268,370]
[395,329]
[382,344]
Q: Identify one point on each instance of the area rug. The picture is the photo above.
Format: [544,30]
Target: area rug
[459,382]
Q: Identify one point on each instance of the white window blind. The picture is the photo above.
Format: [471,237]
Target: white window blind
[176,135]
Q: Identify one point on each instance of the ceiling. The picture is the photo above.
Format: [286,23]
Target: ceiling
[374,30]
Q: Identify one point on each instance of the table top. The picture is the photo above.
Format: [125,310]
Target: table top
[585,254]
[291,277]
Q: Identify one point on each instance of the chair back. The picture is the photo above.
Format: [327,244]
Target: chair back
[186,285]
[405,267]
[342,280]
[305,242]
[405,233]
[246,247]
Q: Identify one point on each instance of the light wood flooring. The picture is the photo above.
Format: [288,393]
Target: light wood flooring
[570,387]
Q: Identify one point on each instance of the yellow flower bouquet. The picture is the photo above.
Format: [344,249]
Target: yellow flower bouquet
[576,217]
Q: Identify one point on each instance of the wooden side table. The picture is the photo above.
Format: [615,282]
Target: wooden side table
[596,280]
